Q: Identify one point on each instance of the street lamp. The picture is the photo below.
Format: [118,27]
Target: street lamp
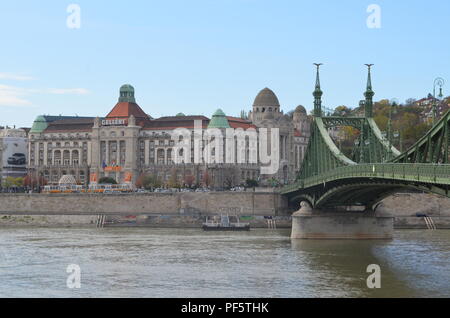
[437,82]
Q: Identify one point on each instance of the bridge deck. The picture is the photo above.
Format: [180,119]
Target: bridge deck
[423,173]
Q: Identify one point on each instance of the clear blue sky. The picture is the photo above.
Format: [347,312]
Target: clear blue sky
[199,55]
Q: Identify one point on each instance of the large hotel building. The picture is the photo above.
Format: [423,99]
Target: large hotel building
[128,142]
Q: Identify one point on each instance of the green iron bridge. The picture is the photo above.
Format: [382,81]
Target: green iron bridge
[376,169]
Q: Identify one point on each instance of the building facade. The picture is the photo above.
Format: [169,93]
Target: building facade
[128,143]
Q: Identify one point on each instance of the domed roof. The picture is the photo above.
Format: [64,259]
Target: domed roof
[266,97]
[180,115]
[219,113]
[219,120]
[300,109]
[67,180]
[127,88]
[127,94]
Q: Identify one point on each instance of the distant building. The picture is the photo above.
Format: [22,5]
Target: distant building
[127,143]
[426,104]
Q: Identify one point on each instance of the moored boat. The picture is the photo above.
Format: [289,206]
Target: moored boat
[225,225]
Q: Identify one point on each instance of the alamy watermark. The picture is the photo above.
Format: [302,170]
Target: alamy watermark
[374,18]
[238,146]
[374,279]
[74,279]
[74,19]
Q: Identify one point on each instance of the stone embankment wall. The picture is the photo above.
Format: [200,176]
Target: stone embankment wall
[149,210]
[236,203]
[405,207]
[190,209]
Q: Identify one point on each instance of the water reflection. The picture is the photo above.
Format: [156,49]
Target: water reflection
[343,266]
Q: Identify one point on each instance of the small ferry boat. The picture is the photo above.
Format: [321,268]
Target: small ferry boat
[225,225]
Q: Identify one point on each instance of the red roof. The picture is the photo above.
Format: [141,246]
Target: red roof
[236,122]
[125,110]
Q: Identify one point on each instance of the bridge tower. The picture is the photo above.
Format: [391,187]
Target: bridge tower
[368,105]
[332,220]
[317,94]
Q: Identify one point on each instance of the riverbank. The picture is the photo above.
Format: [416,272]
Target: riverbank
[178,203]
[138,221]
[174,221]
[190,210]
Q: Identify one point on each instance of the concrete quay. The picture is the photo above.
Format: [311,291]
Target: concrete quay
[191,209]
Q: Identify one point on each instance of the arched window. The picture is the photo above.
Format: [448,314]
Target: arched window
[57,157]
[66,157]
[75,158]
[169,156]
[161,157]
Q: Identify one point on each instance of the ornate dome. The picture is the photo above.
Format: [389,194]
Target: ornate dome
[266,98]
[300,109]
[67,180]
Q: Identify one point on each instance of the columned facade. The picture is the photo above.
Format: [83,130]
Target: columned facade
[127,143]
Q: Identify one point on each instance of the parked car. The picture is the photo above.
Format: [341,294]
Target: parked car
[17,159]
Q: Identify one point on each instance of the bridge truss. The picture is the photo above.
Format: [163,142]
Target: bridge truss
[328,178]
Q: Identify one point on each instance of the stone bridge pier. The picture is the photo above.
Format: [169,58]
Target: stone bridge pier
[341,223]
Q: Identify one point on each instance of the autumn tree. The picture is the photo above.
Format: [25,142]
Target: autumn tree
[189,180]
[206,180]
[150,182]
[342,111]
[33,181]
[173,179]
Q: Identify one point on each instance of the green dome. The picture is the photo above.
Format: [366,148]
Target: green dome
[219,120]
[39,125]
[181,115]
[127,87]
[127,94]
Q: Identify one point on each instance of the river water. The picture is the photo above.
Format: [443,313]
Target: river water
[191,263]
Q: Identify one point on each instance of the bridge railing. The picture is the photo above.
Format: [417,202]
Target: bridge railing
[423,173]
